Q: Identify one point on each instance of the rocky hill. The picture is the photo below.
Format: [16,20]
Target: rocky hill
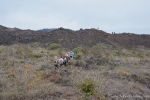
[71,39]
[107,70]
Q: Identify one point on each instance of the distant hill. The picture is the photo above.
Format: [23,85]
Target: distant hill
[47,29]
[71,39]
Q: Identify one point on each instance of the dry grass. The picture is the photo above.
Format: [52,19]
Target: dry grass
[26,80]
[122,72]
[79,76]
[27,72]
[22,74]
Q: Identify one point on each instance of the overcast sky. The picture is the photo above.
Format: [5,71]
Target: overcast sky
[107,15]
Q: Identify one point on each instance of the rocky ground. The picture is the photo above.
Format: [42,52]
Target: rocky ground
[27,72]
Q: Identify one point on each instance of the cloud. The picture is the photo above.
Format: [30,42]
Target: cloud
[27,21]
[117,15]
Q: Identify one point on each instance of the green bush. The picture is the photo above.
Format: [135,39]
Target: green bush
[104,46]
[87,87]
[53,53]
[78,56]
[70,62]
[77,49]
[33,55]
[141,55]
[85,50]
[78,63]
[21,61]
[104,59]
[131,53]
[54,46]
[35,44]
[116,52]
[88,43]
[96,51]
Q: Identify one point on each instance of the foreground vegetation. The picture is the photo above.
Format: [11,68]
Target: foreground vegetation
[101,72]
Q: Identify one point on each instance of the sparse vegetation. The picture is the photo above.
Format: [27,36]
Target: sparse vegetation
[98,72]
[122,72]
[54,46]
[87,87]
[77,49]
[104,66]
[35,44]
[70,62]
[78,56]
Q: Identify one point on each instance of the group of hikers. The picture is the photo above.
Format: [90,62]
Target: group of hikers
[63,60]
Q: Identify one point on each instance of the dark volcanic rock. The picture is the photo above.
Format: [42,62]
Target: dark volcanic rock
[71,39]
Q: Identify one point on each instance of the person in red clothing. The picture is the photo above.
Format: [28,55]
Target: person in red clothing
[65,60]
[63,57]
[68,55]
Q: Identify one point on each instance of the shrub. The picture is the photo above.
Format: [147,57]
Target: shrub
[85,50]
[116,53]
[104,59]
[96,51]
[136,66]
[47,44]
[33,55]
[103,67]
[60,51]
[87,87]
[100,97]
[103,46]
[78,62]
[122,72]
[77,49]
[53,52]
[131,53]
[60,40]
[70,62]
[21,61]
[54,46]
[88,43]
[35,44]
[141,55]
[78,56]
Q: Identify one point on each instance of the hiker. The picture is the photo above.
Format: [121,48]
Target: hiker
[68,56]
[62,57]
[71,54]
[61,61]
[56,62]
[65,60]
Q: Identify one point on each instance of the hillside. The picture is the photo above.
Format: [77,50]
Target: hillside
[71,39]
[46,30]
[104,66]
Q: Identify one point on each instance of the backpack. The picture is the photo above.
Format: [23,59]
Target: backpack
[61,61]
[55,62]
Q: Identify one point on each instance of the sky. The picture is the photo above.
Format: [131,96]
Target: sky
[108,15]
